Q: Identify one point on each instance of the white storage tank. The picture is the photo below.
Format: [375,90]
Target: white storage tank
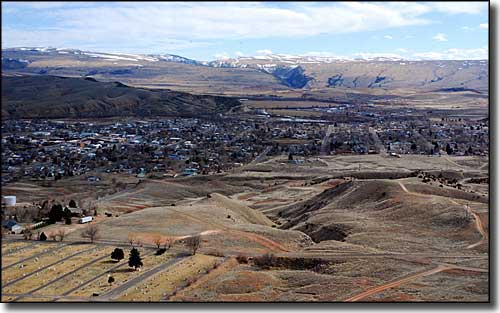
[9,200]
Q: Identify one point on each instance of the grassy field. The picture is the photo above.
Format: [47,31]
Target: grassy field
[121,274]
[167,282]
[49,274]
[22,269]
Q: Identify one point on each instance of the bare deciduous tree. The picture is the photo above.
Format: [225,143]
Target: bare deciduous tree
[27,234]
[157,239]
[91,232]
[131,239]
[193,243]
[168,242]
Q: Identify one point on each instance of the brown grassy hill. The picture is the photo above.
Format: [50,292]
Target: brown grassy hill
[364,212]
[63,97]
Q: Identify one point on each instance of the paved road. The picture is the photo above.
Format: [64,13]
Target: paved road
[98,276]
[261,156]
[378,142]
[134,281]
[325,143]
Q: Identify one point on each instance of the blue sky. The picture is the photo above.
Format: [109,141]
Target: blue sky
[207,31]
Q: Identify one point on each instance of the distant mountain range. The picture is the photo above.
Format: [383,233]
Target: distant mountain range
[270,73]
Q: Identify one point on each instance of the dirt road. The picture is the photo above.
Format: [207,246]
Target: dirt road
[480,228]
[440,268]
[395,283]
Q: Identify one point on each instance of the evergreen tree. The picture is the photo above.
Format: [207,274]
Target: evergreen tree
[67,216]
[117,254]
[56,213]
[135,260]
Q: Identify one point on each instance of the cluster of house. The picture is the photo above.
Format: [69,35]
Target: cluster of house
[50,150]
[416,136]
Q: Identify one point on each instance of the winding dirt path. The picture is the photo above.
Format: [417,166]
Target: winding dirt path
[262,240]
[395,283]
[440,268]
[480,228]
[478,222]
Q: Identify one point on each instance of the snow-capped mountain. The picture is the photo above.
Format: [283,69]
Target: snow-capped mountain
[103,55]
[277,70]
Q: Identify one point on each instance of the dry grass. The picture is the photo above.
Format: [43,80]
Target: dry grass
[34,264]
[165,283]
[121,275]
[25,253]
[53,272]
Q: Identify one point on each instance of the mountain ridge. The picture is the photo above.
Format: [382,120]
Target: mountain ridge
[269,72]
[33,97]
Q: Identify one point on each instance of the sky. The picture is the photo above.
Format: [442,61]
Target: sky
[217,30]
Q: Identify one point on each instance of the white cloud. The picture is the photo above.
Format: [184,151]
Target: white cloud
[401,50]
[467,28]
[264,52]
[463,7]
[239,54]
[388,37]
[325,54]
[440,37]
[370,55]
[169,26]
[97,41]
[483,26]
[454,54]
[222,56]
[149,23]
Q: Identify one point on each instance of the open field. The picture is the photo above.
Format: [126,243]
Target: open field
[161,286]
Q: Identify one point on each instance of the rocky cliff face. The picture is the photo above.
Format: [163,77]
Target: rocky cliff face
[293,77]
